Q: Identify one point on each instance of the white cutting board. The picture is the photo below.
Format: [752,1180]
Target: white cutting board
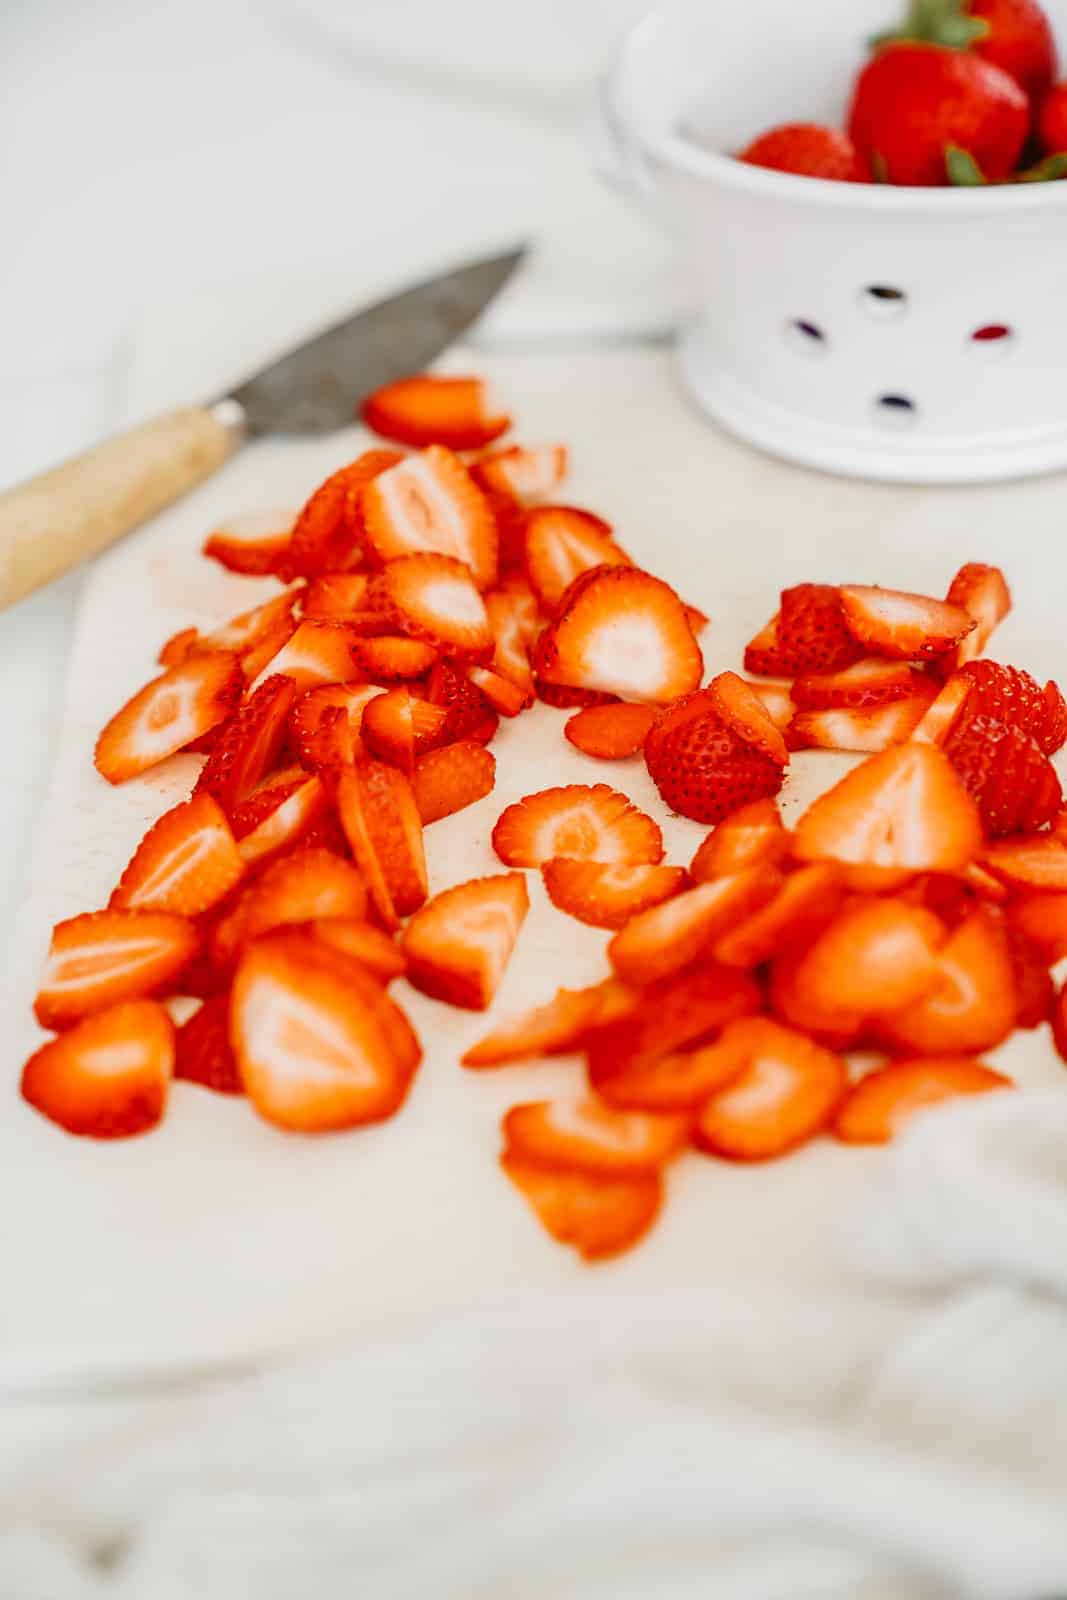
[216,1235]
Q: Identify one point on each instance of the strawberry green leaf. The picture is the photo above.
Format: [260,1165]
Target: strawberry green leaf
[963,170]
[943,22]
[1047,171]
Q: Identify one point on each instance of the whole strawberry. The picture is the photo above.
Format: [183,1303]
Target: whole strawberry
[1014,35]
[1052,119]
[914,103]
[808,150]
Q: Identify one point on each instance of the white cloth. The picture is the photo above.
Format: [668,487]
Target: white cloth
[914,1447]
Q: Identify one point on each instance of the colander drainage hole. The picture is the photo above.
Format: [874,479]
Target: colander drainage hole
[898,410]
[807,335]
[883,300]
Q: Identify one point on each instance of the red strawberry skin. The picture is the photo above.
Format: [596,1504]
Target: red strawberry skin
[1019,40]
[809,150]
[700,766]
[1009,695]
[1013,783]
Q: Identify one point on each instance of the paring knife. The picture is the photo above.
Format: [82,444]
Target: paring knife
[51,522]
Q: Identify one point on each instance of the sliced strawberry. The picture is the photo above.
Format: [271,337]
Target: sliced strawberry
[459,944]
[285,819]
[202,1050]
[904,808]
[777,702]
[335,596]
[1014,786]
[179,647]
[108,1077]
[240,635]
[749,836]
[318,652]
[1009,695]
[804,904]
[1059,1023]
[608,896]
[905,627]
[313,1050]
[552,1029]
[833,1026]
[746,716]
[700,766]
[381,820]
[588,1136]
[943,711]
[252,544]
[599,1217]
[610,733]
[448,780]
[399,727]
[698,620]
[667,937]
[972,1006]
[507,610]
[868,731]
[524,472]
[1035,861]
[680,1083]
[433,597]
[1043,919]
[882,1103]
[562,695]
[621,631]
[1034,989]
[585,823]
[258,657]
[310,883]
[325,724]
[167,714]
[248,746]
[186,862]
[786,1093]
[328,534]
[867,683]
[562,542]
[470,716]
[428,409]
[983,593]
[391,659]
[103,957]
[365,943]
[808,634]
[876,955]
[678,1013]
[503,695]
[764,655]
[430,502]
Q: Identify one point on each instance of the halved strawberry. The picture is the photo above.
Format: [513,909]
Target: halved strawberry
[621,631]
[470,716]
[282,816]
[399,727]
[803,905]
[202,1050]
[587,823]
[102,957]
[905,627]
[884,1101]
[585,1135]
[744,714]
[459,944]
[507,610]
[554,1028]
[1036,861]
[876,955]
[328,534]
[972,1006]
[433,597]
[450,779]
[377,807]
[524,472]
[808,634]
[678,1013]
[167,714]
[700,766]
[667,937]
[786,1093]
[1034,988]
[312,1048]
[751,835]
[429,409]
[430,502]
[903,808]
[562,542]
[318,652]
[943,711]
[251,544]
[248,746]
[310,883]
[186,862]
[1009,695]
[608,896]
[388,658]
[868,731]
[867,683]
[365,943]
[678,1082]
[108,1077]
[983,593]
[326,742]
[598,1216]
[1015,787]
[612,732]
[335,596]
[503,695]
[1042,917]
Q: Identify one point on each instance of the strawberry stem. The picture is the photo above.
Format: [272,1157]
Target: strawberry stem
[1047,171]
[963,170]
[943,22]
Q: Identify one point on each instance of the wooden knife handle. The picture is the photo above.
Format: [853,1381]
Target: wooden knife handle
[52,522]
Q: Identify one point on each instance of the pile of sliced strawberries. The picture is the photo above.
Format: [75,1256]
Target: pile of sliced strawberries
[914,910]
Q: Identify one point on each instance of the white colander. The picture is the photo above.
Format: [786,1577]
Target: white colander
[908,334]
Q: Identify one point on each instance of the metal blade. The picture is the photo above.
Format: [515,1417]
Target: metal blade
[318,386]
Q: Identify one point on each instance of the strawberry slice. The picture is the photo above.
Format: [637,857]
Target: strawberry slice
[750,836]
[179,647]
[258,657]
[108,1077]
[982,592]
[1011,696]
[620,631]
[310,883]
[700,766]
[586,823]
[867,683]
[941,714]
[252,544]
[802,907]
[588,1136]
[167,714]
[1035,861]
[399,727]
[509,621]
[335,596]
[186,862]
[608,896]
[1035,991]
[808,634]
[448,780]
[503,695]
[777,702]
[1042,918]
[365,943]
[324,742]
[390,658]
[599,1217]
[433,597]
[377,807]
[470,716]
[459,944]
[876,955]
[866,732]
[430,502]
[786,1093]
[667,937]
[680,1083]
[833,1027]
[328,534]
[1059,1023]
[240,635]
[612,732]
[882,1103]
[680,1012]
[102,957]
[1015,787]
[563,695]
[524,473]
[249,745]
[905,627]
[553,1029]
[972,1006]
[312,1048]
[745,715]
[562,542]
[428,409]
[318,652]
[202,1050]
[903,808]
[282,816]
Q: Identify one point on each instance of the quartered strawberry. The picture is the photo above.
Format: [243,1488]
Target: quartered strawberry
[167,714]
[433,597]
[108,1077]
[876,1109]
[943,711]
[586,823]
[749,836]
[1015,787]
[186,862]
[328,534]
[867,731]
[252,544]
[1009,695]
[562,542]
[905,627]
[335,596]
[804,903]
[503,695]
[202,1050]
[1032,861]
[391,658]
[680,1083]
[621,631]
[450,779]
[249,745]
[598,1216]
[612,732]
[555,1028]
[309,883]
[876,955]
[399,727]
[377,808]
[508,613]
[786,1093]
[808,634]
[102,957]
[1034,989]
[608,896]
[470,716]
[365,943]
[973,1004]
[430,502]
[318,652]
[429,409]
[325,724]
[459,944]
[526,473]
[282,816]
[678,1013]
[1042,917]
[667,937]
[903,808]
[312,1047]
[588,1136]
[700,766]
[982,592]
[867,683]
